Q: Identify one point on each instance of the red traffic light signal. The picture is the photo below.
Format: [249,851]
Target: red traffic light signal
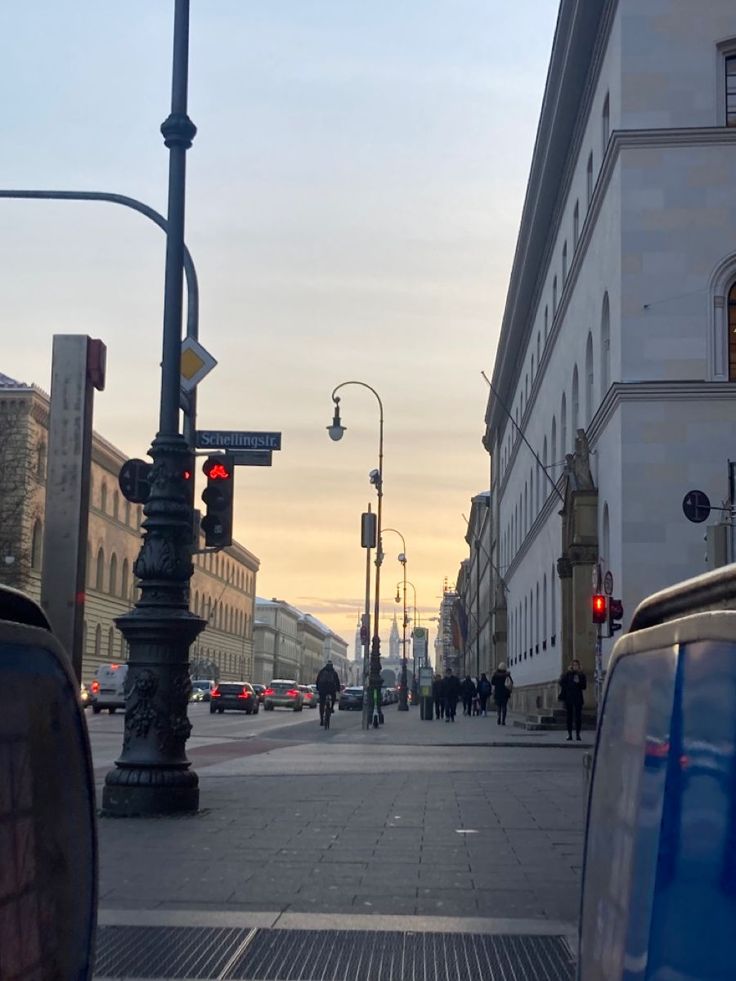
[217,524]
[217,468]
[600,612]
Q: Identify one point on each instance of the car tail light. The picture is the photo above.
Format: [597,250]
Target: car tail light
[215,693]
[293,692]
[244,694]
[95,687]
[268,691]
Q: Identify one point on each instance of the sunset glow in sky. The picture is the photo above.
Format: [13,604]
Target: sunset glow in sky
[353,198]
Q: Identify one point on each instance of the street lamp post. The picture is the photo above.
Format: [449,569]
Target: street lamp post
[403,696]
[336,431]
[153,774]
[405,582]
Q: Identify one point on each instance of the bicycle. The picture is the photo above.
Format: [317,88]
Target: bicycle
[328,711]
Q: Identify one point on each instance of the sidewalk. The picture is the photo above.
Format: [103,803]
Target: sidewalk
[416,828]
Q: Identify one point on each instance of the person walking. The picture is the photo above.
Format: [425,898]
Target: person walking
[467,692]
[502,684]
[439,706]
[450,694]
[572,685]
[484,691]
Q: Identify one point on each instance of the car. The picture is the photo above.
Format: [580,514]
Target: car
[283,694]
[351,698]
[107,690]
[259,690]
[311,699]
[201,689]
[236,695]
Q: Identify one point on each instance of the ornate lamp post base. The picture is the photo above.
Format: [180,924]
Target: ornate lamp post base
[404,699]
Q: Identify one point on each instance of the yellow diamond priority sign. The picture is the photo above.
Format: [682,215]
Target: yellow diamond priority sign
[196,363]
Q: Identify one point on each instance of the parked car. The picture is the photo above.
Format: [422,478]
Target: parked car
[201,689]
[351,698]
[283,694]
[108,688]
[237,695]
[311,700]
[259,690]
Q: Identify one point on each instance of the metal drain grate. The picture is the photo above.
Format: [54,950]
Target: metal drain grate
[165,952]
[366,956]
[327,955]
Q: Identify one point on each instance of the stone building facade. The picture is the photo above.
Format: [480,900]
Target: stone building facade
[223,586]
[294,645]
[616,359]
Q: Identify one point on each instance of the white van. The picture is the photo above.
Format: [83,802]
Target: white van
[107,690]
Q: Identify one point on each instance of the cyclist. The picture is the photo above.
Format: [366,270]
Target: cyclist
[328,685]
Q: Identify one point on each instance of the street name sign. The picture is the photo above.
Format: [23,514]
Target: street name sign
[222,439]
[252,458]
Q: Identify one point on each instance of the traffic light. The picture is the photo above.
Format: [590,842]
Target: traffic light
[217,524]
[615,615]
[599,608]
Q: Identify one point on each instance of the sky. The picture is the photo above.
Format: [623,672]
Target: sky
[353,199]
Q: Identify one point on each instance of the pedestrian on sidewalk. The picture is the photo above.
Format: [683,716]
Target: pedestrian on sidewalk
[450,694]
[439,706]
[502,684]
[572,685]
[484,692]
[467,691]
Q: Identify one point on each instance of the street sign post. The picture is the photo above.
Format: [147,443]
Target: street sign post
[696,506]
[222,439]
[196,362]
[134,481]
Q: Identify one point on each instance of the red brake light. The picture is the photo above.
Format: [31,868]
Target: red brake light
[244,694]
[215,693]
[268,691]
[95,687]
[292,691]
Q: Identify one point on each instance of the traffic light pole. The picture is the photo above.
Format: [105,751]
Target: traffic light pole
[598,667]
[153,774]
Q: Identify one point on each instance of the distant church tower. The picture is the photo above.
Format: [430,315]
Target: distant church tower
[358,643]
[394,642]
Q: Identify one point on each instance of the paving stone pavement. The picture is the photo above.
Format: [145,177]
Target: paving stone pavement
[363,827]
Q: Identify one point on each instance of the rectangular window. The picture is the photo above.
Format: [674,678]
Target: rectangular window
[731,90]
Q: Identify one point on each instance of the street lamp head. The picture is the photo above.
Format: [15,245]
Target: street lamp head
[397,598]
[402,558]
[374,477]
[336,429]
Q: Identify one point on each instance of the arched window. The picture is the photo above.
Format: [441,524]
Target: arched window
[114,575]
[606,345]
[526,506]
[37,544]
[546,323]
[563,427]
[553,443]
[124,587]
[526,388]
[98,641]
[526,626]
[589,379]
[531,623]
[553,607]
[732,333]
[532,371]
[539,350]
[606,122]
[41,461]
[564,263]
[575,415]
[606,535]
[536,623]
[100,575]
[111,644]
[576,225]
[589,178]
[127,512]
[554,296]
[103,496]
[90,569]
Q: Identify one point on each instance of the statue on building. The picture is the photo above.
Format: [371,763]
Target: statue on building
[577,464]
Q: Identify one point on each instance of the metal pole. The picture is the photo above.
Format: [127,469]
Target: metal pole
[477,610]
[375,668]
[153,775]
[367,635]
